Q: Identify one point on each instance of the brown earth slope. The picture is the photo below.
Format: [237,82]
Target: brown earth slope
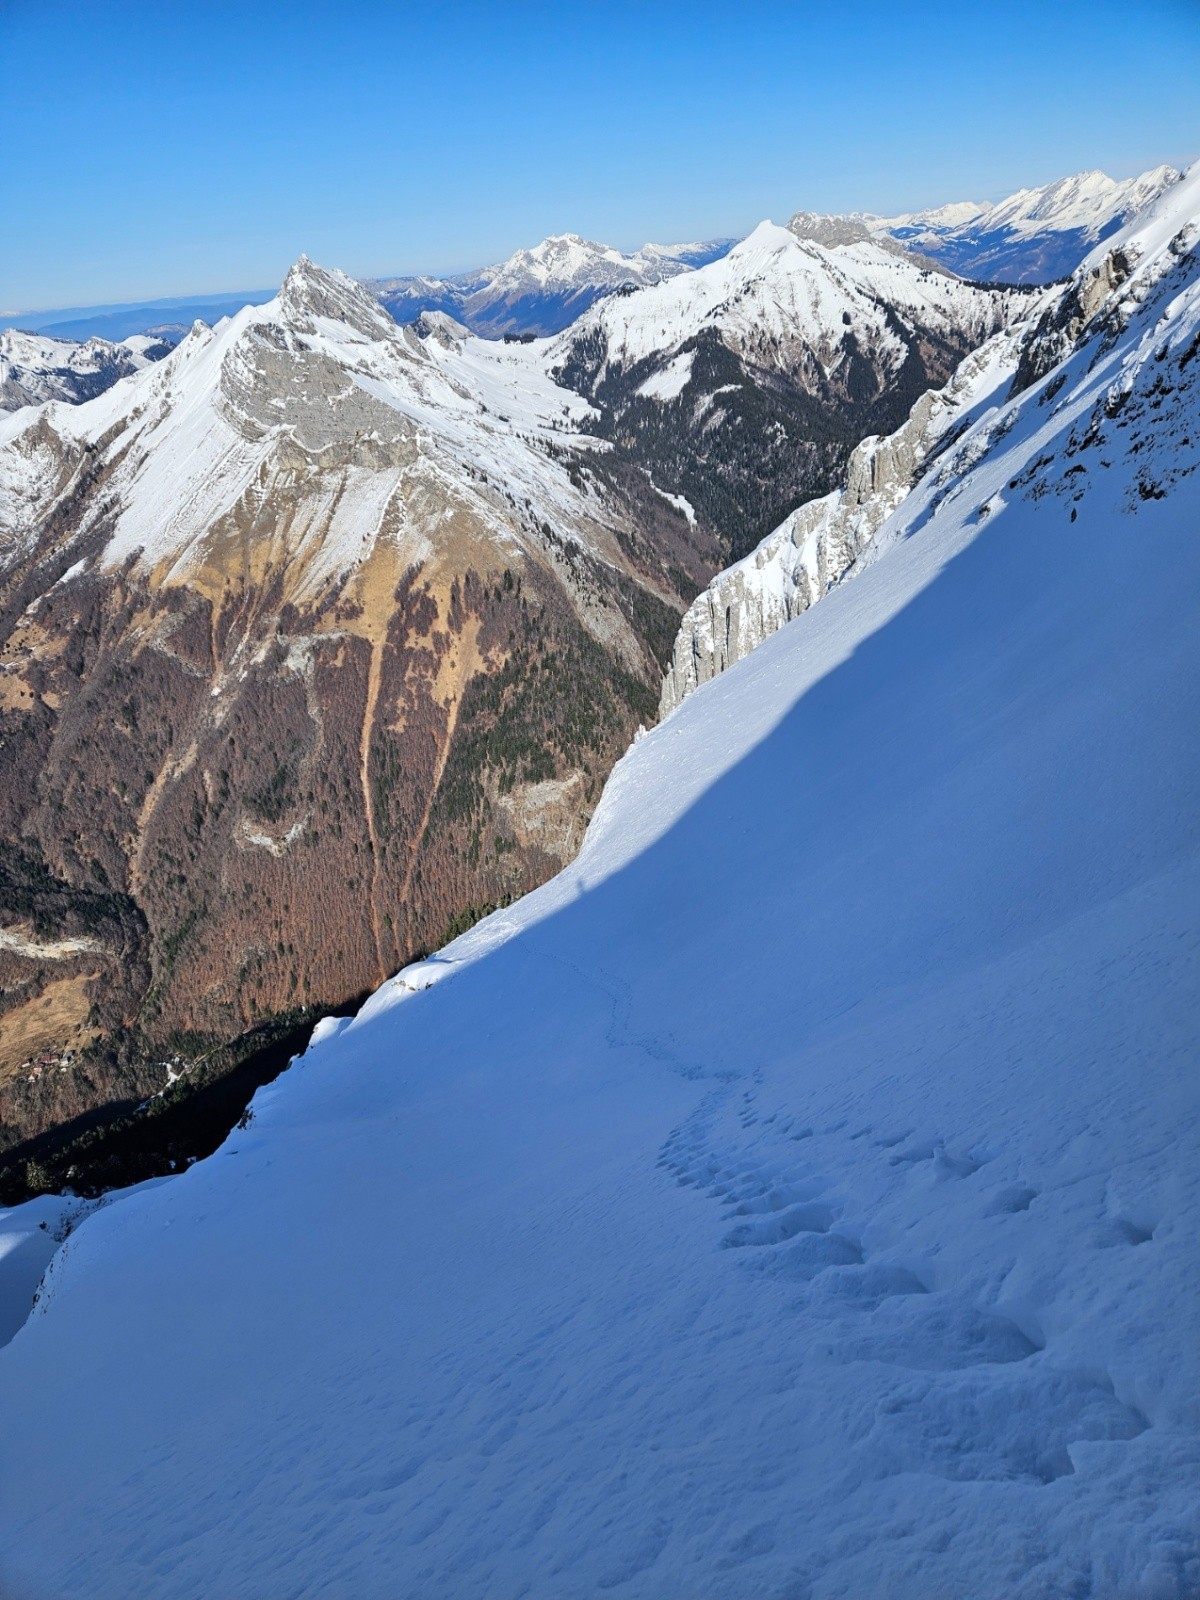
[279,713]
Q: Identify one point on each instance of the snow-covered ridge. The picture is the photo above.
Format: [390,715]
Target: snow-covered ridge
[1088,200]
[569,261]
[775,288]
[1033,235]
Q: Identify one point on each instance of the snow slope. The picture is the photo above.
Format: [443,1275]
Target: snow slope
[1032,236]
[797,1196]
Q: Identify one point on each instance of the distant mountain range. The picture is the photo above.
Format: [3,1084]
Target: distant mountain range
[545,289]
[169,319]
[1033,236]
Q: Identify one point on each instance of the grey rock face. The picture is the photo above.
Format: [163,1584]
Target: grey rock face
[815,547]
[1064,322]
[833,232]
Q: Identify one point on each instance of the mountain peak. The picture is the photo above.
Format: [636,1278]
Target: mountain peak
[768,236]
[310,291]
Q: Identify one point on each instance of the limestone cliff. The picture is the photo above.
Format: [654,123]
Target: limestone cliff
[818,544]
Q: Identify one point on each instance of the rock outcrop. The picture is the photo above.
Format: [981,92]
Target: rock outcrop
[817,545]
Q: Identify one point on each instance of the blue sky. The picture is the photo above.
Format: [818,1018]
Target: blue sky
[182,148]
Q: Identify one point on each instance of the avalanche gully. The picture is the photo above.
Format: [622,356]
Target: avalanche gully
[796,1196]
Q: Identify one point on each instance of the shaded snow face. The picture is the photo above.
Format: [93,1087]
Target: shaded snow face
[799,1194]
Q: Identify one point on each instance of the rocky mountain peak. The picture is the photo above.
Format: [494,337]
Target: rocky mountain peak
[310,291]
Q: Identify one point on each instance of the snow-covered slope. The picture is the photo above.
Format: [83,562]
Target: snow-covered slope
[543,289]
[1033,236]
[798,1195]
[35,368]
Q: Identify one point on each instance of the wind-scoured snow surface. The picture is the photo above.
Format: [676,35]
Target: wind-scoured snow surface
[796,1197]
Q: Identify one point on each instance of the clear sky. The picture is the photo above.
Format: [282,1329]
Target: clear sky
[176,148]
